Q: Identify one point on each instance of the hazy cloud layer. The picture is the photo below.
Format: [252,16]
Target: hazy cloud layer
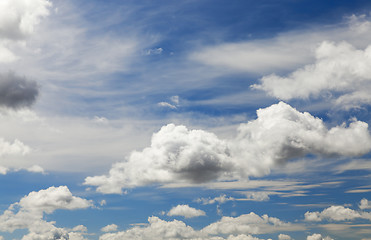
[16,91]
[186,211]
[285,51]
[279,133]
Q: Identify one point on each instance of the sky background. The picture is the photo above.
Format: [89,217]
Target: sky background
[203,120]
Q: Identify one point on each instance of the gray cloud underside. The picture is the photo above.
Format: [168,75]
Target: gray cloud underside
[16,91]
[279,133]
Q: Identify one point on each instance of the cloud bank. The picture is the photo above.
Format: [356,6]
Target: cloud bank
[238,228]
[279,133]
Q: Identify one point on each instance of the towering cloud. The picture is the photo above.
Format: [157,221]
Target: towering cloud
[278,134]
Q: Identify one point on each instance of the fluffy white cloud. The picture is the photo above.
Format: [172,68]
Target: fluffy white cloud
[226,229]
[28,213]
[15,148]
[278,134]
[175,153]
[249,224]
[365,204]
[109,228]
[157,229]
[339,68]
[336,213]
[186,211]
[18,18]
[317,236]
[220,200]
[284,237]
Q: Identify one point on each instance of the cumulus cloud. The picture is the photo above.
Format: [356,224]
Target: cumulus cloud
[220,200]
[16,91]
[339,67]
[186,211]
[284,237]
[238,228]
[249,224]
[109,228]
[336,213]
[157,229]
[29,212]
[279,133]
[317,236]
[18,18]
[365,204]
[15,148]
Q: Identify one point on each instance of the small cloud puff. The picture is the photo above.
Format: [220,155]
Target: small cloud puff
[220,200]
[154,51]
[109,228]
[186,211]
[317,236]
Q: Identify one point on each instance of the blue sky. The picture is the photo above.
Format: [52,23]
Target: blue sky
[208,120]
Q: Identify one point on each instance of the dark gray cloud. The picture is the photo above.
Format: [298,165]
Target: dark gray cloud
[16,91]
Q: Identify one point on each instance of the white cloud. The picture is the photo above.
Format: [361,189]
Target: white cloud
[18,18]
[255,196]
[3,170]
[250,224]
[280,133]
[220,200]
[154,51]
[284,237]
[28,213]
[186,211]
[36,169]
[166,104]
[357,164]
[109,228]
[365,204]
[238,228]
[51,199]
[80,228]
[338,68]
[15,148]
[336,213]
[317,236]
[285,51]
[157,229]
